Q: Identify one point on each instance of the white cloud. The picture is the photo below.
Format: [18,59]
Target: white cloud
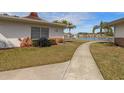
[77,18]
[74,17]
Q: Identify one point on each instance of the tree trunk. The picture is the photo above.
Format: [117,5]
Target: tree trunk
[69,33]
[101,31]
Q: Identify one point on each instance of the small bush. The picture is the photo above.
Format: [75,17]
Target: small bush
[52,41]
[44,42]
[59,40]
[35,43]
[25,42]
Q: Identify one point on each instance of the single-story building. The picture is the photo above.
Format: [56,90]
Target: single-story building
[118,26]
[12,28]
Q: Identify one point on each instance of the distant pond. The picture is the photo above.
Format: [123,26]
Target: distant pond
[93,39]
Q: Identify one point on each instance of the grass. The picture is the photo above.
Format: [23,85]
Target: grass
[34,56]
[110,60]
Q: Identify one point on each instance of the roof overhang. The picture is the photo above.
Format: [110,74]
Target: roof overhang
[30,21]
[116,22]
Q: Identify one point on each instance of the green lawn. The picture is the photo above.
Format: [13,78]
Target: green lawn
[110,60]
[27,57]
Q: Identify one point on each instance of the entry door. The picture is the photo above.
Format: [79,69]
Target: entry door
[44,32]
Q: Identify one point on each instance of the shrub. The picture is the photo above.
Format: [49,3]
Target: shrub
[35,43]
[26,42]
[59,40]
[44,42]
[53,41]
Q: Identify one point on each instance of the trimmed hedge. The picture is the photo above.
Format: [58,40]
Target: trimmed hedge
[43,42]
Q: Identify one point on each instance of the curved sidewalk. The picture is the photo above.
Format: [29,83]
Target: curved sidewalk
[45,72]
[82,65]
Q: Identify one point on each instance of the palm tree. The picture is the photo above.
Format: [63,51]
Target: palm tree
[56,21]
[94,28]
[67,23]
[103,25]
[71,26]
[109,29]
[61,22]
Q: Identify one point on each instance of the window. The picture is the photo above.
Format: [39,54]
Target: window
[37,33]
[44,32]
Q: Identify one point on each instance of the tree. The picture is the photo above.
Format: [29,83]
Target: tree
[69,24]
[56,21]
[65,22]
[94,28]
[103,26]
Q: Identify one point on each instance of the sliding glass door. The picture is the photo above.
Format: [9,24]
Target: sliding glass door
[38,32]
[35,33]
[44,32]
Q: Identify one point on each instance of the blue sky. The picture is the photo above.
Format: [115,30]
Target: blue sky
[84,21]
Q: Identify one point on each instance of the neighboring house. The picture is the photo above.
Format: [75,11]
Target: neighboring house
[12,28]
[118,26]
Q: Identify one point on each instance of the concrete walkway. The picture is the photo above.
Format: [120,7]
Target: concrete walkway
[46,72]
[82,65]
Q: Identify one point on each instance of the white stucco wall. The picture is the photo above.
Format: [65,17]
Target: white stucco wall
[14,31]
[55,32]
[119,30]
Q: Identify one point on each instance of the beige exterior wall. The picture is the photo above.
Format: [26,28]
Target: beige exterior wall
[119,30]
[14,31]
